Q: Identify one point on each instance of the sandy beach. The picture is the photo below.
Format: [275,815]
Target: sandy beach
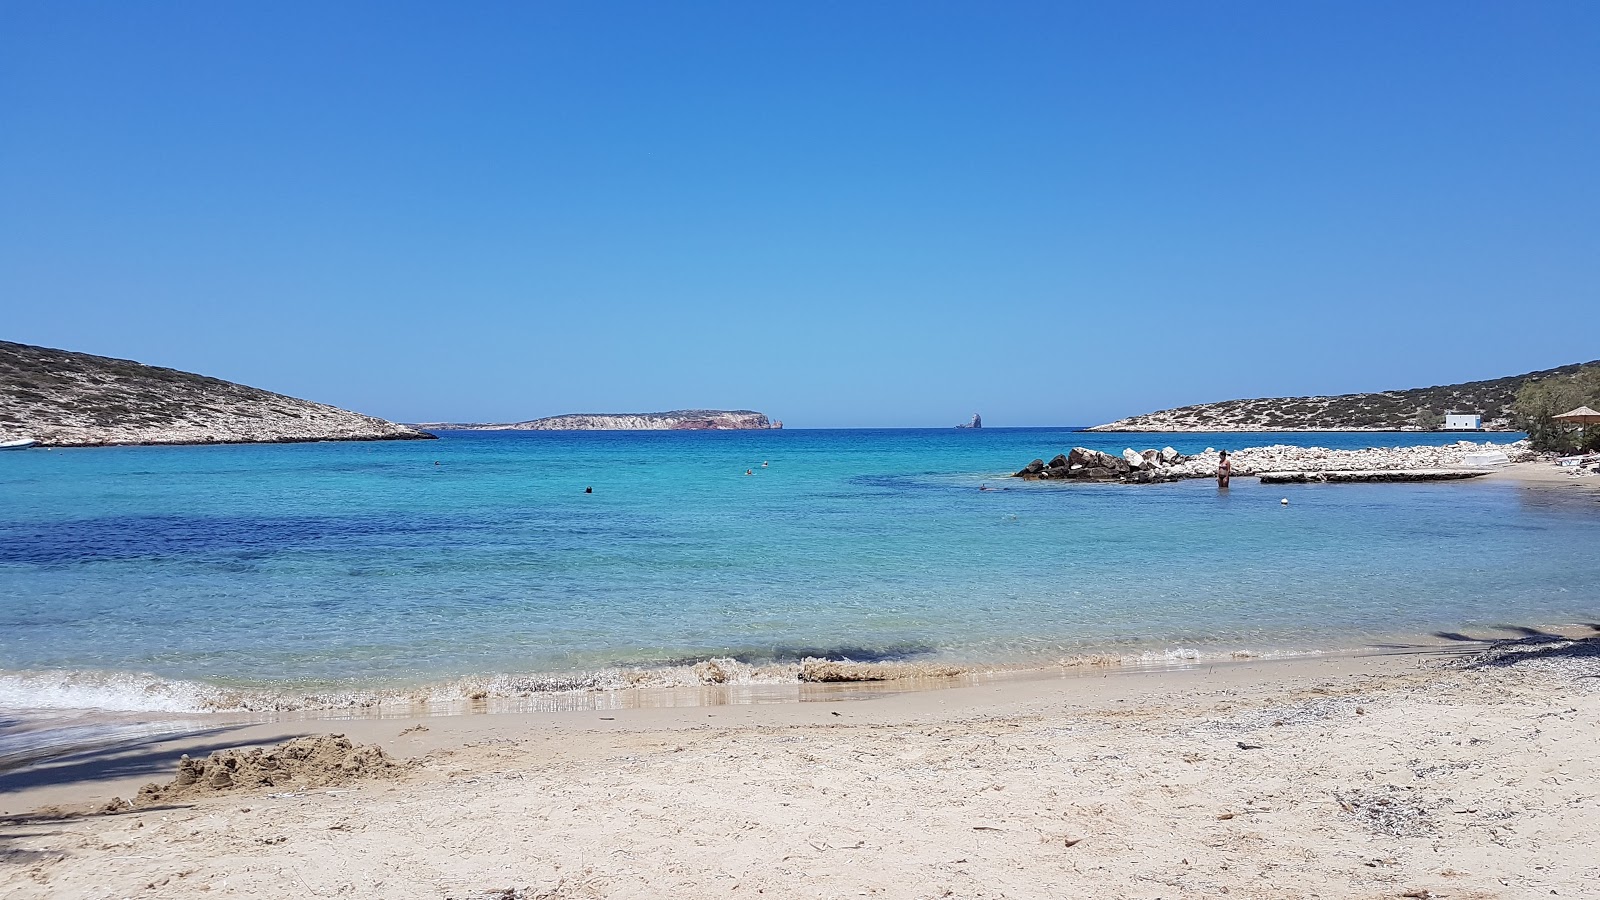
[1545,473]
[1428,772]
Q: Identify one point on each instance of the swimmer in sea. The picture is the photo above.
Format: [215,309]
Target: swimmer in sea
[1224,470]
[749,471]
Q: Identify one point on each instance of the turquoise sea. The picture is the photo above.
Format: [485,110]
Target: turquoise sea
[160,578]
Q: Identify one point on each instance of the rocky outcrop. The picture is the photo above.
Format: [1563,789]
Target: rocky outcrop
[1083,464]
[1415,409]
[676,420]
[1396,475]
[1136,467]
[66,399]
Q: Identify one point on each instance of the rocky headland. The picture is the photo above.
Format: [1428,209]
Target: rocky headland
[66,399]
[675,420]
[1281,462]
[1414,409]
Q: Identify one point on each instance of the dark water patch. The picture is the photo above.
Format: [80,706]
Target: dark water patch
[907,482]
[236,541]
[793,653]
[157,537]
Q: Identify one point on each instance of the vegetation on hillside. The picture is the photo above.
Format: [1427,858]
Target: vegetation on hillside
[1405,410]
[1540,401]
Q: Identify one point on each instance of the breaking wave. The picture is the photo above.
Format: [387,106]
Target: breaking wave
[125,692]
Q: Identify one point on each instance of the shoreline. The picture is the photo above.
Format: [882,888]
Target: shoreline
[1542,473]
[342,439]
[175,734]
[613,687]
[1100,429]
[64,732]
[1279,462]
[1414,774]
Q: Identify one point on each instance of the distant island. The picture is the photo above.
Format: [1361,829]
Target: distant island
[674,420]
[1416,409]
[66,399]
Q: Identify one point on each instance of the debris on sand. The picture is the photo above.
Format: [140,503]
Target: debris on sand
[823,670]
[303,762]
[1388,809]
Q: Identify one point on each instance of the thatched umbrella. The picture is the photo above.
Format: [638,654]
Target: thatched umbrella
[1583,416]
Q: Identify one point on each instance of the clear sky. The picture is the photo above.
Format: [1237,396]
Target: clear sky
[838,213]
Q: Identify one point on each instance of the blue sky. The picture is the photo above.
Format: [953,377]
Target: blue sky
[841,214]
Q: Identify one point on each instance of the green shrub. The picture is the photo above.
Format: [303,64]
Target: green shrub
[1539,402]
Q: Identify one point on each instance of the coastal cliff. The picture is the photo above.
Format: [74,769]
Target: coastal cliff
[66,399]
[1415,409]
[674,420]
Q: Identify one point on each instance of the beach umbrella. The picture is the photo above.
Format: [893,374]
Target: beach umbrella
[1584,416]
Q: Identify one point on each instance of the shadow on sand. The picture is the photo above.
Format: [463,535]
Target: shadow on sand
[1500,650]
[1535,645]
[1530,644]
[152,756]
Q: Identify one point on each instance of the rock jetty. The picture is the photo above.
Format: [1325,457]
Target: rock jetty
[1150,466]
[1395,475]
[66,399]
[675,420]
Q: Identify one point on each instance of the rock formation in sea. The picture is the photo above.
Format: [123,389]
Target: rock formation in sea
[1277,463]
[977,422]
[66,399]
[1415,409]
[674,420]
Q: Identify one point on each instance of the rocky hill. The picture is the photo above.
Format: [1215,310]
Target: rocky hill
[675,420]
[65,399]
[1416,409]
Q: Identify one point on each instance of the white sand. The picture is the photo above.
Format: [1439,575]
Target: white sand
[1401,776]
[1544,473]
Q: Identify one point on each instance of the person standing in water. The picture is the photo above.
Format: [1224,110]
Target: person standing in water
[1224,470]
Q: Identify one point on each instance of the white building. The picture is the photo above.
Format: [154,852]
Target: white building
[1461,422]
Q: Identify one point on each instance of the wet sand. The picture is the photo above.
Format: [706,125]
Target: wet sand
[1411,774]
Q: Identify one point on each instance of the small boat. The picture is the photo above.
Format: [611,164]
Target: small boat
[22,444]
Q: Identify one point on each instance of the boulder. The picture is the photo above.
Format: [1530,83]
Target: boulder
[1032,468]
[1083,456]
[1169,455]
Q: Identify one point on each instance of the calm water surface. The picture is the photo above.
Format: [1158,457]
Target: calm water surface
[329,566]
